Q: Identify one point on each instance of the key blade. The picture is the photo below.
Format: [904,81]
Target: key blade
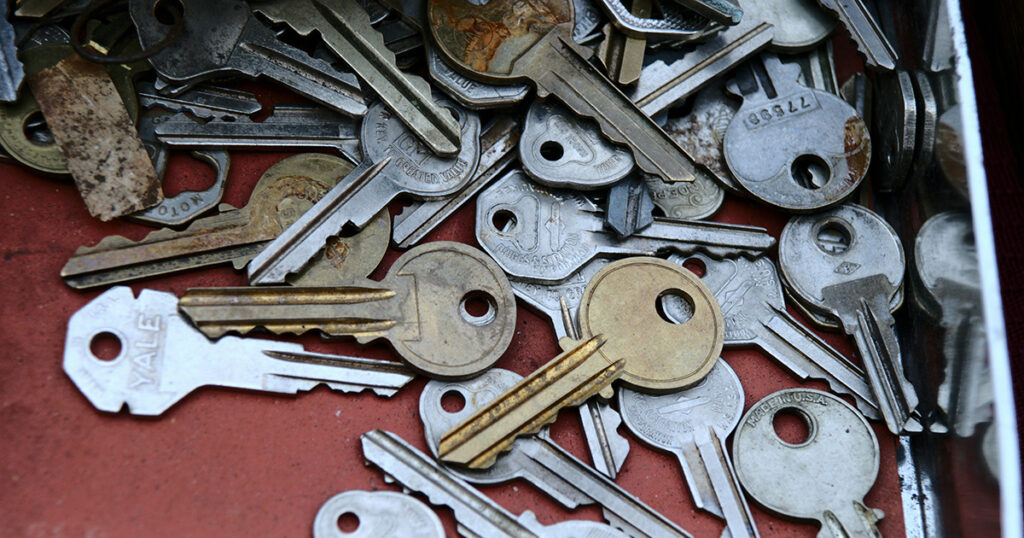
[382,377]
[714,238]
[205,102]
[719,469]
[871,41]
[608,448]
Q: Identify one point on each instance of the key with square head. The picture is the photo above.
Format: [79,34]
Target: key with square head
[426,307]
[545,235]
[824,477]
[222,37]
[693,424]
[535,458]
[505,41]
[848,263]
[378,513]
[162,358]
[872,44]
[394,162]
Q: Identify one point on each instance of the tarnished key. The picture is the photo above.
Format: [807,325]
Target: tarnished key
[203,101]
[628,206]
[221,37]
[472,94]
[394,162]
[848,264]
[545,53]
[697,200]
[161,358]
[345,29]
[871,41]
[545,235]
[378,513]
[475,513]
[187,205]
[623,55]
[822,477]
[799,24]
[426,307]
[693,424]
[536,458]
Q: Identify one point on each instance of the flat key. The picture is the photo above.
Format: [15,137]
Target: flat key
[205,102]
[345,29]
[537,459]
[162,358]
[222,37]
[420,307]
[379,513]
[871,41]
[544,235]
[693,424]
[395,162]
[629,207]
[547,55]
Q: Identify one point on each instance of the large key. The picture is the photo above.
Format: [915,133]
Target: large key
[223,37]
[536,458]
[445,307]
[544,235]
[379,513]
[848,264]
[162,358]
[822,477]
[693,424]
[398,163]
[543,51]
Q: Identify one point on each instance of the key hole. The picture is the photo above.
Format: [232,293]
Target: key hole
[348,523]
[551,150]
[833,237]
[504,221]
[36,130]
[453,401]
[793,426]
[810,171]
[478,308]
[168,12]
[105,346]
[696,266]
[674,306]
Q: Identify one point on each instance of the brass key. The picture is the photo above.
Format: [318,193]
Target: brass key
[505,41]
[445,307]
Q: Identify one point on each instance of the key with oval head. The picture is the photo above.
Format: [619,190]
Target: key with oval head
[379,513]
[693,424]
[536,458]
[395,162]
[790,146]
[162,358]
[506,41]
[475,513]
[420,307]
[825,477]
[848,263]
[222,37]
[544,235]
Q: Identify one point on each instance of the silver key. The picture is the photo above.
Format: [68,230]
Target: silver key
[12,73]
[403,165]
[676,23]
[848,264]
[476,514]
[825,477]
[628,206]
[470,93]
[537,459]
[203,101]
[799,24]
[871,41]
[698,199]
[544,235]
[379,513]
[162,358]
[187,205]
[693,424]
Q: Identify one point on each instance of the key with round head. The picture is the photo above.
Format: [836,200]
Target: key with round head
[693,424]
[395,162]
[824,477]
[378,513]
[697,200]
[162,358]
[849,263]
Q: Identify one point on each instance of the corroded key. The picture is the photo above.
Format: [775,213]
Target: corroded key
[426,307]
[380,513]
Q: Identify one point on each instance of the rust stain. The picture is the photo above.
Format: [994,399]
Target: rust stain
[857,148]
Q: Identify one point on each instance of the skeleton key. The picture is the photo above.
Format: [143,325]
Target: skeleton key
[871,41]
[475,513]
[693,424]
[848,263]
[420,307]
[395,162]
[162,358]
[379,513]
[825,477]
[544,235]
[223,37]
[543,51]
[536,458]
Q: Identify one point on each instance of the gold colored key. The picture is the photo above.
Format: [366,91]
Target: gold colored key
[567,380]
[632,303]
[445,307]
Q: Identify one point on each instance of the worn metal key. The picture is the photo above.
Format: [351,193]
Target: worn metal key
[380,514]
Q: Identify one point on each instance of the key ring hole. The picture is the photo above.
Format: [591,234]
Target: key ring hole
[106,346]
[551,150]
[168,12]
[348,523]
[674,306]
[478,308]
[452,401]
[834,236]
[793,426]
[504,221]
[36,130]
[810,171]
[696,266]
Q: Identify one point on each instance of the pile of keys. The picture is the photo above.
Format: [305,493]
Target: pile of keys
[593,138]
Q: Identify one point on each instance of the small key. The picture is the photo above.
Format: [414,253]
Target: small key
[544,235]
[825,477]
[629,207]
[693,424]
[871,41]
[547,55]
[848,263]
[243,45]
[378,513]
[205,101]
[162,358]
[475,513]
[420,307]
[395,162]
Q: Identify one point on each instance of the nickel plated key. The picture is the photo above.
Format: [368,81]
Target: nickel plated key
[203,101]
[380,513]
